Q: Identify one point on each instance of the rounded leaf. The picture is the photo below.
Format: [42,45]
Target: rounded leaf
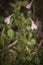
[33,41]
[10,33]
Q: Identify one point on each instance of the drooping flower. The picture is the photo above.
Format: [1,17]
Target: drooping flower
[29,5]
[7,20]
[33,26]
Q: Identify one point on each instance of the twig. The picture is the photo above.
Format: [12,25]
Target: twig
[13,43]
[11,51]
[14,49]
[3,31]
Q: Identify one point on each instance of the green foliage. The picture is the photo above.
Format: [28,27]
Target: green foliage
[19,28]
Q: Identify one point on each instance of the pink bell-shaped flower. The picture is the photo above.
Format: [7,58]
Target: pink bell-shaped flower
[29,5]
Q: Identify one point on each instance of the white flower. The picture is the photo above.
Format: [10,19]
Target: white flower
[7,20]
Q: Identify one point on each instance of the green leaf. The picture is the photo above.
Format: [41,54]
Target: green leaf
[28,28]
[15,55]
[30,35]
[29,57]
[33,41]
[37,60]
[3,39]
[10,34]
[16,62]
